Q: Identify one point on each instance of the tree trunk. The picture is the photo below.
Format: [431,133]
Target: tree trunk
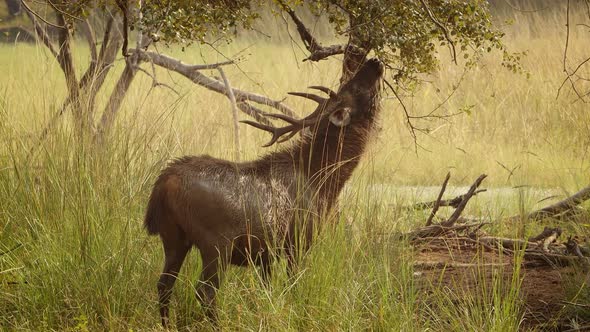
[116,99]
[13,6]
[66,62]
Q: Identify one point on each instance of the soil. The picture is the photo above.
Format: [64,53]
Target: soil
[462,268]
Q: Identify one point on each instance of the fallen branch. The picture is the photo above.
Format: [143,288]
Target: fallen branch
[559,207]
[440,229]
[454,202]
[437,203]
[464,201]
[449,265]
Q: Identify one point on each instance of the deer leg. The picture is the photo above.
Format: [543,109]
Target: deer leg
[265,267]
[175,252]
[208,283]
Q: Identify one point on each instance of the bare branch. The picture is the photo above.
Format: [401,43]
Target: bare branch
[438,200]
[155,82]
[316,50]
[31,11]
[408,117]
[463,204]
[41,33]
[232,99]
[91,39]
[211,66]
[254,112]
[124,7]
[567,35]
[559,207]
[212,84]
[444,30]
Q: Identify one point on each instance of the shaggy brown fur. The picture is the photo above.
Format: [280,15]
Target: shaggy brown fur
[235,212]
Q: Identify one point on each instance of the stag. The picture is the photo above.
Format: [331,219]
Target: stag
[234,213]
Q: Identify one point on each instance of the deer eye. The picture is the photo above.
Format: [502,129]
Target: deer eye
[341,117]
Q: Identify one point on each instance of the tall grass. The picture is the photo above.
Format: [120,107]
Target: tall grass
[75,256]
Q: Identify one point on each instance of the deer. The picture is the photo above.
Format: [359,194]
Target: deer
[235,212]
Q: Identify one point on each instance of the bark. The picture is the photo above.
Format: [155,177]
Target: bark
[66,62]
[196,77]
[561,206]
[234,108]
[132,62]
[14,7]
[117,96]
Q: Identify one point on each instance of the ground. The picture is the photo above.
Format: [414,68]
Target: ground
[463,269]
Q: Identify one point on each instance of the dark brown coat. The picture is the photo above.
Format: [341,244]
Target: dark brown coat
[240,212]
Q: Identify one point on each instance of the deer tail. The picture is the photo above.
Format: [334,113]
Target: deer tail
[156,209]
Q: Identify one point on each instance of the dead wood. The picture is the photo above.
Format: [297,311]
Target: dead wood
[464,201]
[543,249]
[557,208]
[438,200]
[449,265]
[439,229]
[454,202]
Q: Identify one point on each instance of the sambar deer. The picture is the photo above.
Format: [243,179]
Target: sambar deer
[235,212]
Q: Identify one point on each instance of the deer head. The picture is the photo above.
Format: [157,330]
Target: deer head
[354,102]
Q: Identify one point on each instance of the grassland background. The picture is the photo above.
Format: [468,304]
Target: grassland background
[74,213]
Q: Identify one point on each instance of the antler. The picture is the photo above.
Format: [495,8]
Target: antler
[324,89]
[295,125]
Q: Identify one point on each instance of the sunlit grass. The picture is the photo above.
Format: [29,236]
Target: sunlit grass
[73,214]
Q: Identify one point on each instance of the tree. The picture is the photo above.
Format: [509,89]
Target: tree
[405,35]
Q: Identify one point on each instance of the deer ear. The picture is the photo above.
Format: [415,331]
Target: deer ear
[340,117]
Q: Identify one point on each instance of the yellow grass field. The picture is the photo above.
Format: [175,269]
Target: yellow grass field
[75,256]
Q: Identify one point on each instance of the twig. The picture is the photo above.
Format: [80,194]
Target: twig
[445,202]
[575,304]
[155,82]
[234,107]
[446,265]
[30,10]
[438,200]
[444,30]
[464,201]
[408,117]
[209,83]
[316,50]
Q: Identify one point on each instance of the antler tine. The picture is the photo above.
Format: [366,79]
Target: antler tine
[324,89]
[316,98]
[277,133]
[292,121]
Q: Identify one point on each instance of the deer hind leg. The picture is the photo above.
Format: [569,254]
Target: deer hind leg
[175,250]
[209,280]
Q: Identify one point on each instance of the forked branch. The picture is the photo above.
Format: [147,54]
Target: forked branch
[317,51]
[203,80]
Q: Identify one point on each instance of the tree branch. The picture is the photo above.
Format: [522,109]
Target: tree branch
[234,108]
[463,204]
[559,207]
[438,200]
[41,32]
[91,39]
[316,50]
[32,12]
[212,84]
[444,30]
